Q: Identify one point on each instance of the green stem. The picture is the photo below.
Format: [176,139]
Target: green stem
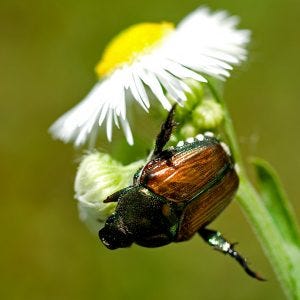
[268,235]
[272,242]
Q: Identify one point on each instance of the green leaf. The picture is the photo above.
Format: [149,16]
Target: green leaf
[276,201]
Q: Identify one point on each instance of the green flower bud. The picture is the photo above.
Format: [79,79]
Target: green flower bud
[188,130]
[208,115]
[194,94]
[98,177]
[197,90]
[173,139]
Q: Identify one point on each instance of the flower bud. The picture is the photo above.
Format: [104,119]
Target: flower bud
[188,130]
[194,94]
[98,177]
[208,115]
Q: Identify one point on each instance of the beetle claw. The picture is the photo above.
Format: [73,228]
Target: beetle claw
[219,243]
[234,244]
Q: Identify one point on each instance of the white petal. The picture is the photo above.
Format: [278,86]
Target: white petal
[103,102]
[109,125]
[127,131]
[150,79]
[116,120]
[135,93]
[141,90]
[172,85]
[207,42]
[68,126]
[103,113]
[182,72]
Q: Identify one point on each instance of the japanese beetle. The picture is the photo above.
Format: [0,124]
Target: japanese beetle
[176,194]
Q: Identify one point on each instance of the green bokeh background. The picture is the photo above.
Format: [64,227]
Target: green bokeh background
[48,50]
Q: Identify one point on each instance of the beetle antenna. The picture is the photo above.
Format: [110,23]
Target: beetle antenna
[165,132]
[218,242]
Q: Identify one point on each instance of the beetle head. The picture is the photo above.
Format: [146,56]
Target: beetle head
[114,236]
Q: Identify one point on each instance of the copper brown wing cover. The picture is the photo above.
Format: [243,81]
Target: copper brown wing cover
[207,206]
[180,177]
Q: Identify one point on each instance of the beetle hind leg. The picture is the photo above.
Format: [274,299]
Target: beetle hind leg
[218,242]
[165,132]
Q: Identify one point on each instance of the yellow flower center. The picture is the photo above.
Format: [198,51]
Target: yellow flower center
[130,43]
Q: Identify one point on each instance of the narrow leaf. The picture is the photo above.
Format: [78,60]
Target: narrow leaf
[276,201]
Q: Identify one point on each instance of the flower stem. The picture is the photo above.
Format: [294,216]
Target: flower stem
[284,262]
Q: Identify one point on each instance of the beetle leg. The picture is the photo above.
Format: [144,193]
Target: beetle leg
[218,242]
[165,132]
[115,196]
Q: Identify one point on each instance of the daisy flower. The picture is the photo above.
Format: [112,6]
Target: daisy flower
[156,59]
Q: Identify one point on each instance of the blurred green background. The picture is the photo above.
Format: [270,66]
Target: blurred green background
[48,50]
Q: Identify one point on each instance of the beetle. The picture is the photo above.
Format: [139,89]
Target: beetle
[176,194]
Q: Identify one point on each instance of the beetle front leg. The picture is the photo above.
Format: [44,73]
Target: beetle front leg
[115,196]
[218,242]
